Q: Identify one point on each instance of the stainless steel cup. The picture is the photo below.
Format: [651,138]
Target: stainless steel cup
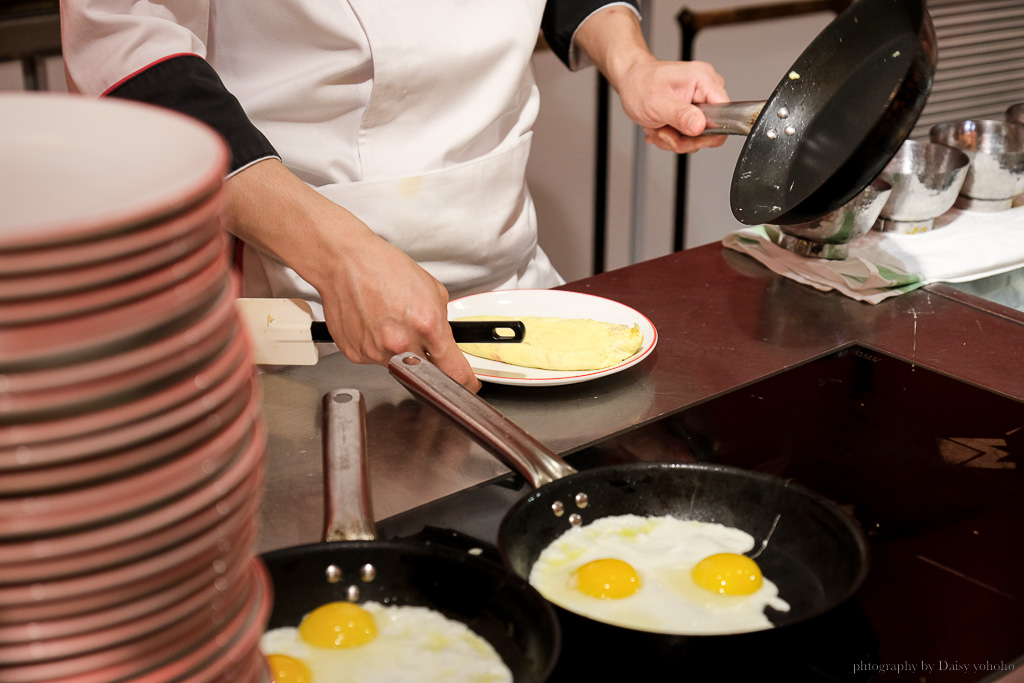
[830,236]
[926,178]
[996,151]
[1015,113]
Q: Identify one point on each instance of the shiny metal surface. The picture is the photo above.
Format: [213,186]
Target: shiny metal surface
[996,151]
[1015,113]
[724,322]
[1005,289]
[733,118]
[516,448]
[416,455]
[830,236]
[348,509]
[926,178]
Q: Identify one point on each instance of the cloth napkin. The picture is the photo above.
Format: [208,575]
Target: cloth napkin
[963,246]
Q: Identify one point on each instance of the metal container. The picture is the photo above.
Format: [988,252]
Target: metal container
[926,179]
[996,151]
[1015,113]
[829,237]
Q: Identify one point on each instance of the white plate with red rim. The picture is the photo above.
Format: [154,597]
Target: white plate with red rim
[86,302]
[75,167]
[111,249]
[58,465]
[132,660]
[229,368]
[115,498]
[216,316]
[550,303]
[77,594]
[195,607]
[58,342]
[114,269]
[240,500]
[245,472]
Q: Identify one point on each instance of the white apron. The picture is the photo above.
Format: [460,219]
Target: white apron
[442,159]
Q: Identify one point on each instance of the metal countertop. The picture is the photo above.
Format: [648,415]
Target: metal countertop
[724,322]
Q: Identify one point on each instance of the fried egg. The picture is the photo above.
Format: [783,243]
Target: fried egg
[343,642]
[658,574]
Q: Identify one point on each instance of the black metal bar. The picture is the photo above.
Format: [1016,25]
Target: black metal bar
[601,177]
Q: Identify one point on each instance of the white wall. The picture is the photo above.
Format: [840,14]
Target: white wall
[11,76]
[752,58]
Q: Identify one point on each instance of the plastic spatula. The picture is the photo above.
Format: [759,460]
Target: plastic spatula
[283,332]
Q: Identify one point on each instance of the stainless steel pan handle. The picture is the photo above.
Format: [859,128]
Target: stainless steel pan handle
[495,432]
[348,511]
[733,118]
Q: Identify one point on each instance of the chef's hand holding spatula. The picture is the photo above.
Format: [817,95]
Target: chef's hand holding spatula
[283,332]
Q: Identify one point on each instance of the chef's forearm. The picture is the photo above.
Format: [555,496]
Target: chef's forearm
[271,208]
[612,39]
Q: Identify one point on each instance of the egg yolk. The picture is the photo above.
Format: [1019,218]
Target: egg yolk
[338,625]
[728,574]
[285,669]
[607,579]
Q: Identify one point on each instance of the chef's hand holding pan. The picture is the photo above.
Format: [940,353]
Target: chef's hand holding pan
[377,301]
[657,95]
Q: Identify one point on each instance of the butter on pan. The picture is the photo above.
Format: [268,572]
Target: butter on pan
[562,344]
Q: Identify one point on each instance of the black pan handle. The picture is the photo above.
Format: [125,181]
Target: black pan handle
[464,331]
[519,450]
[348,512]
[732,118]
[488,331]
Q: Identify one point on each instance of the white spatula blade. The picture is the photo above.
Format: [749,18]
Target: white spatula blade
[279,331]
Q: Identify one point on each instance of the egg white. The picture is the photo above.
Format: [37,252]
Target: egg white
[663,551]
[414,644]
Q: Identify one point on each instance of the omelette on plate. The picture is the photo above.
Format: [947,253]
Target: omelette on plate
[562,343]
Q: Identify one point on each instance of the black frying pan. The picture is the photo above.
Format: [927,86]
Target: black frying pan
[836,118]
[495,603]
[813,551]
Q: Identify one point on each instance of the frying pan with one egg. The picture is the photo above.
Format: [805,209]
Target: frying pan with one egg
[494,603]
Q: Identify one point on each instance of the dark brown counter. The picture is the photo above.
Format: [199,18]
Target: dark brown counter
[725,321]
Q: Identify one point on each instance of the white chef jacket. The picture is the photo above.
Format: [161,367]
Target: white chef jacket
[415,115]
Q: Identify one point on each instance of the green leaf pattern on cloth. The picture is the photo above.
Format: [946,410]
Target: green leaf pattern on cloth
[963,246]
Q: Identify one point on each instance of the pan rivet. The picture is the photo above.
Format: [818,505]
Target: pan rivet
[575,520]
[783,113]
[581,500]
[352,594]
[790,130]
[367,573]
[333,573]
[772,133]
[558,508]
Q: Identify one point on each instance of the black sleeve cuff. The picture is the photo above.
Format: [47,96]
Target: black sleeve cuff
[189,85]
[562,18]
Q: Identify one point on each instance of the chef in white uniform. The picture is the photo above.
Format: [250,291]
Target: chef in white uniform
[379,147]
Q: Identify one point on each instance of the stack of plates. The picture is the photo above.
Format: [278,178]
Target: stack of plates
[131,449]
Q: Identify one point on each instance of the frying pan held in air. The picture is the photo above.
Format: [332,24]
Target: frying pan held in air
[836,118]
[494,602]
[813,551]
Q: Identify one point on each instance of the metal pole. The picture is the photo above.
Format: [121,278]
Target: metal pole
[639,162]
